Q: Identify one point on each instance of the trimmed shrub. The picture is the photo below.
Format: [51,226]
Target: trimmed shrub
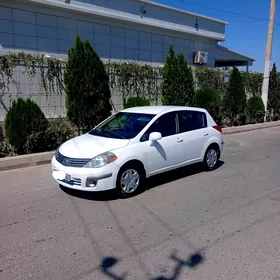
[135,102]
[6,149]
[23,119]
[255,110]
[210,100]
[1,134]
[58,131]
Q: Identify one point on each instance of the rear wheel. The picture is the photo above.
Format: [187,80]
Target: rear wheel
[130,180]
[211,158]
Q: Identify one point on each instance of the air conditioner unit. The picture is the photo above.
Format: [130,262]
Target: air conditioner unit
[200,58]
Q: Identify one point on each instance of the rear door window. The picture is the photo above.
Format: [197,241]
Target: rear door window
[191,120]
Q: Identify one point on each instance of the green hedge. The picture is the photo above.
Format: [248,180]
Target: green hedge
[127,78]
[135,102]
[210,100]
[28,130]
[23,119]
[58,131]
[255,110]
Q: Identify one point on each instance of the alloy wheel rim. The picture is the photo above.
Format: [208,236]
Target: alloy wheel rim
[211,158]
[130,180]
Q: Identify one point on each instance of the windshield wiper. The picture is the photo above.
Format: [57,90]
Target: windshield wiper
[105,133]
[113,134]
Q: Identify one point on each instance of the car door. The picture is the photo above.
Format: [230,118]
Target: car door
[193,126]
[166,153]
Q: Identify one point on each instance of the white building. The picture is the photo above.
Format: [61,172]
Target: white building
[134,30]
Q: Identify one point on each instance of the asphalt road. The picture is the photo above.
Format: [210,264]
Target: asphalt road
[219,225]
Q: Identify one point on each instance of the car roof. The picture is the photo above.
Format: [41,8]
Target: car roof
[155,110]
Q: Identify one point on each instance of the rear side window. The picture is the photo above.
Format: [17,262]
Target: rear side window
[191,120]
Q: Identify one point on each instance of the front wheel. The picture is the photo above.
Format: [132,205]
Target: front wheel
[211,158]
[129,181]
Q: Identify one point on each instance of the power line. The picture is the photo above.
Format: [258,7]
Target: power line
[226,12]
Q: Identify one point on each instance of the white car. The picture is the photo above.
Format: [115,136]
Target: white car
[137,143]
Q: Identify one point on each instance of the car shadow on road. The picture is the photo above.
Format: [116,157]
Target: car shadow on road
[191,261]
[95,196]
[177,174]
[151,183]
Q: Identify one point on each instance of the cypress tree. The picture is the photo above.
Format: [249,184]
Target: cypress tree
[234,101]
[273,104]
[86,87]
[177,86]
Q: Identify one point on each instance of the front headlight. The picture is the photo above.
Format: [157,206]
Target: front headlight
[57,152]
[101,160]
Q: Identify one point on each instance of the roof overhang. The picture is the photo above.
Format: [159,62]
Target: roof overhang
[182,11]
[128,18]
[228,58]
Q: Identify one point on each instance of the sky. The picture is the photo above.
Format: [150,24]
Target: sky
[247,27]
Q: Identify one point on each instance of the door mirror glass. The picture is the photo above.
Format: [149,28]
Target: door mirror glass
[155,136]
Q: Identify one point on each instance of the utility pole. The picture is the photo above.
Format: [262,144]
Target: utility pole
[266,72]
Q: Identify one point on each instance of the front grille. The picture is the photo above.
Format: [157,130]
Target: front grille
[76,181]
[73,182]
[71,162]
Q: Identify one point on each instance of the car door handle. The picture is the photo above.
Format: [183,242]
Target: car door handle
[205,133]
[179,140]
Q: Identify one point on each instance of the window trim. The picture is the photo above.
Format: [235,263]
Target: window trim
[112,117]
[177,127]
[204,120]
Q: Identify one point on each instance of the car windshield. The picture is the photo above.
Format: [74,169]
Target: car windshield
[122,125]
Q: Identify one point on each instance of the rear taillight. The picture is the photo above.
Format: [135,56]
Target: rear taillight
[217,128]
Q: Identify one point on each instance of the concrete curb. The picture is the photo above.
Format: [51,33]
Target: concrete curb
[9,163]
[250,127]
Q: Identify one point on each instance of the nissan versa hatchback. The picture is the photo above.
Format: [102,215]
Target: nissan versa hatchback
[136,143]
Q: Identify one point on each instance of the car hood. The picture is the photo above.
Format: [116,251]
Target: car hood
[89,146]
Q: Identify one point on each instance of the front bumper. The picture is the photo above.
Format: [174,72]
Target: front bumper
[85,179]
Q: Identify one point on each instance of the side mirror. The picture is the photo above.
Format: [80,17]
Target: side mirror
[155,136]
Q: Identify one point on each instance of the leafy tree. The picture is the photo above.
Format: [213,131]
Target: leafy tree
[177,85]
[86,87]
[255,110]
[23,118]
[210,100]
[234,101]
[273,104]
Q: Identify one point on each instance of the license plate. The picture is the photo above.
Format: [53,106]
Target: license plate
[68,177]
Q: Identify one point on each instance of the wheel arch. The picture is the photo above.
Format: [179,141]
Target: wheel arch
[214,145]
[135,162]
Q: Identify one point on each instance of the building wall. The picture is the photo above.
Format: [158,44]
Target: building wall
[40,29]
[36,28]
[156,12]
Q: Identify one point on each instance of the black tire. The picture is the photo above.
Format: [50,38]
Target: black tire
[211,158]
[130,168]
